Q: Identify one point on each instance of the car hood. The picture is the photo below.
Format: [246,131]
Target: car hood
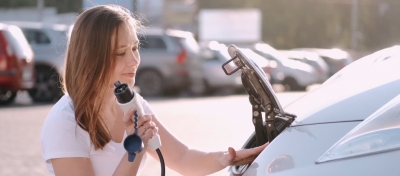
[364,86]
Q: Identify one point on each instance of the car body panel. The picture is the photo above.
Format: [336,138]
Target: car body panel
[298,147]
[297,150]
[365,84]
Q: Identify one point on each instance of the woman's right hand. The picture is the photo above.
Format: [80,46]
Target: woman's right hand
[146,127]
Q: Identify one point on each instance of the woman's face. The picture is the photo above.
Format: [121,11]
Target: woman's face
[127,55]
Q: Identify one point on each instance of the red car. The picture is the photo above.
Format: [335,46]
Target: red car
[16,63]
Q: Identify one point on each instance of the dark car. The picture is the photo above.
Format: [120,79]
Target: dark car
[16,63]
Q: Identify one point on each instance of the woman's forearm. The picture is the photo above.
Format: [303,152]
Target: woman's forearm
[196,162]
[129,168]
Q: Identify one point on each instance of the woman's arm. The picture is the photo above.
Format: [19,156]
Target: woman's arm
[185,161]
[79,166]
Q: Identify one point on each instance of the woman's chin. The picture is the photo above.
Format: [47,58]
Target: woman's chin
[130,82]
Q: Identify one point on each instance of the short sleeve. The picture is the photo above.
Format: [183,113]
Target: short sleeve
[146,107]
[62,138]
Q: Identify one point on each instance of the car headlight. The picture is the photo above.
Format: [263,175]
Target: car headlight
[379,133]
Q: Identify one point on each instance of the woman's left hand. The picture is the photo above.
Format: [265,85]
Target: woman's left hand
[241,157]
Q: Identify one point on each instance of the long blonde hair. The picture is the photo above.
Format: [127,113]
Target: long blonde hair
[90,61]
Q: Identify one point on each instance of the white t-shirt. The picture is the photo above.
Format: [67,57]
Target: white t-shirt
[61,137]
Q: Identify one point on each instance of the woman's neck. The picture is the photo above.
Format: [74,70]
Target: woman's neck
[109,103]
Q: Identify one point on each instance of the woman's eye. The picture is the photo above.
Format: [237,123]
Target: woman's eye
[121,54]
[134,49]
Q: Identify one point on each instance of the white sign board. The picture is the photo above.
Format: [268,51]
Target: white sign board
[230,25]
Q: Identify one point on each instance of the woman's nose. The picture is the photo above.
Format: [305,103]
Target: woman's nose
[132,60]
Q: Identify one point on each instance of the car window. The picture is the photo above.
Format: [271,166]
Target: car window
[36,37]
[152,42]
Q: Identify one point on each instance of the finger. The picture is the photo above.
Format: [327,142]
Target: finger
[259,149]
[248,155]
[149,134]
[142,129]
[130,130]
[228,157]
[127,119]
[232,153]
[143,119]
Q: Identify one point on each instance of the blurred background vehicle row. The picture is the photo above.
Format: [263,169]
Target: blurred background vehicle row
[172,62]
[302,47]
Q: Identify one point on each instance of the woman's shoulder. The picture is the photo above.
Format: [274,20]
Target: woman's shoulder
[61,120]
[60,116]
[146,107]
[63,109]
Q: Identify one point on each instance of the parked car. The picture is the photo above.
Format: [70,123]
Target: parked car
[169,62]
[297,75]
[312,59]
[16,63]
[212,58]
[335,58]
[348,126]
[49,43]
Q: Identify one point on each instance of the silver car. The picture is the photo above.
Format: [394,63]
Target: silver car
[169,63]
[213,57]
[312,59]
[297,75]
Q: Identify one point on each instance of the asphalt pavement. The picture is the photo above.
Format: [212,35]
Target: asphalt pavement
[205,123]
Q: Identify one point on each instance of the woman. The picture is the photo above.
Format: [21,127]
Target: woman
[84,130]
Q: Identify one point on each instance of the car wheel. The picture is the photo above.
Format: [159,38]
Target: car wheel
[292,85]
[198,87]
[47,87]
[7,96]
[150,83]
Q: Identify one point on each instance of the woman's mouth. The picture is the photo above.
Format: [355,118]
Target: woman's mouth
[130,75]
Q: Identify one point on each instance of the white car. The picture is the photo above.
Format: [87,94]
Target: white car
[348,126]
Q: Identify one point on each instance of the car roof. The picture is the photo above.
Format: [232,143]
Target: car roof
[171,32]
[293,54]
[38,25]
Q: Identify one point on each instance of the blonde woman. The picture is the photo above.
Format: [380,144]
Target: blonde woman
[84,131]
